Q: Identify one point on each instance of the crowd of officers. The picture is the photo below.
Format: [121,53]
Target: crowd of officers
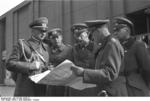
[117,63]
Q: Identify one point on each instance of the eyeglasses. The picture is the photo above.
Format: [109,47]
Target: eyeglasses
[118,27]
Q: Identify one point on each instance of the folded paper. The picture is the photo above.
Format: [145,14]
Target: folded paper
[61,75]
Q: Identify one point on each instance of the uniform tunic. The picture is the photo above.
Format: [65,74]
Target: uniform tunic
[107,73]
[18,64]
[84,57]
[136,63]
[58,55]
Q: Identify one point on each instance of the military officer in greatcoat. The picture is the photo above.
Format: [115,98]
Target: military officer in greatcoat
[136,60]
[84,48]
[83,54]
[58,52]
[106,74]
[28,58]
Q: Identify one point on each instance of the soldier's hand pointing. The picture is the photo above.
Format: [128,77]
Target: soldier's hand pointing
[35,65]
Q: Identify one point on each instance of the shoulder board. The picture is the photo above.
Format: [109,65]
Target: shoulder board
[113,40]
[20,40]
[68,45]
[116,41]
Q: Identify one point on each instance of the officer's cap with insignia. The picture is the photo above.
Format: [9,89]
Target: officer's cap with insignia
[78,28]
[39,23]
[120,22]
[54,32]
[96,23]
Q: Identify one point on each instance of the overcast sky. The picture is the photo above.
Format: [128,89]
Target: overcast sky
[6,5]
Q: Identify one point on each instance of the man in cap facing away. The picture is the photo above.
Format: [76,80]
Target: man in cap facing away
[28,58]
[136,60]
[83,54]
[107,73]
[58,52]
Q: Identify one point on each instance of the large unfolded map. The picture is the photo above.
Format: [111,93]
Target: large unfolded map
[61,75]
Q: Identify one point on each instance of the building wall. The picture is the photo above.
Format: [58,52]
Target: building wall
[14,26]
[2,48]
[118,7]
[61,13]
[134,5]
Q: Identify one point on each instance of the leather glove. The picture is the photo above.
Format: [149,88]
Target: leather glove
[36,65]
[79,71]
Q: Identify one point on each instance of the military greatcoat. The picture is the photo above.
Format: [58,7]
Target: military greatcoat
[108,74]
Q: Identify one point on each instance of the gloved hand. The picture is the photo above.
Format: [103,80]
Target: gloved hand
[36,65]
[79,71]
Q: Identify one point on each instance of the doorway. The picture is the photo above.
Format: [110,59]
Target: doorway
[141,20]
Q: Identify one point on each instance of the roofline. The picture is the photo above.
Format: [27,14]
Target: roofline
[140,8]
[17,7]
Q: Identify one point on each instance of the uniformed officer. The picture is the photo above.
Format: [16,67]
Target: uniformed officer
[136,60]
[83,54]
[84,48]
[58,52]
[107,72]
[30,57]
